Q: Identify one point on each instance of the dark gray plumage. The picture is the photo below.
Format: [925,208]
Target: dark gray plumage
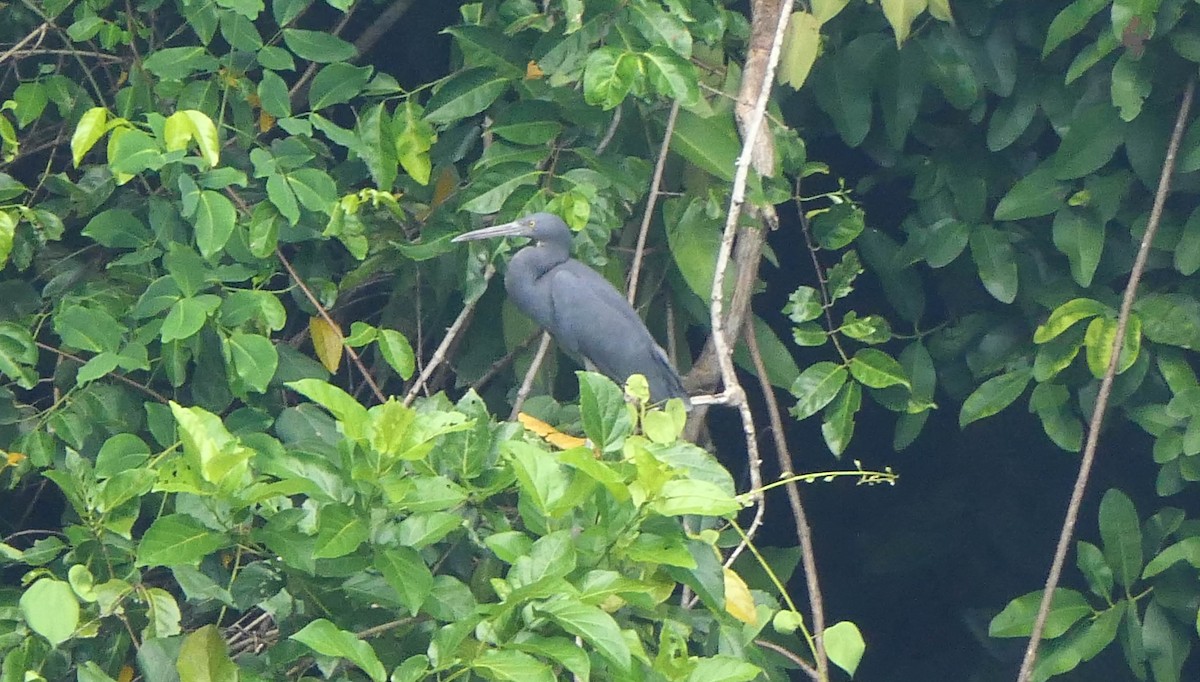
[585,314]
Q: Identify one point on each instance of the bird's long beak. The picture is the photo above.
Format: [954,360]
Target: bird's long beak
[513,229]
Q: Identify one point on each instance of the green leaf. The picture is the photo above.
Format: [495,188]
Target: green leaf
[339,532]
[660,27]
[254,359]
[507,665]
[177,539]
[609,76]
[413,141]
[187,125]
[828,9]
[187,316]
[118,228]
[497,185]
[1187,251]
[994,257]
[91,127]
[326,639]
[994,395]
[273,95]
[1066,315]
[204,656]
[337,83]
[591,624]
[838,425]
[901,14]
[1099,338]
[211,450]
[465,94]
[318,46]
[1121,533]
[1070,22]
[1187,550]
[1081,238]
[407,574]
[1095,569]
[121,452]
[671,75]
[177,63]
[1130,85]
[605,414]
[1171,319]
[845,646]
[1067,607]
[1012,117]
[876,369]
[681,497]
[314,189]
[1093,138]
[801,45]
[1036,194]
[816,387]
[49,608]
[88,329]
[351,415]
[397,352]
[708,143]
[214,220]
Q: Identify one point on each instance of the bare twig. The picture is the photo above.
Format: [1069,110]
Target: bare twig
[119,377]
[799,662]
[353,354]
[439,355]
[808,556]
[608,134]
[380,26]
[651,200]
[1097,420]
[530,375]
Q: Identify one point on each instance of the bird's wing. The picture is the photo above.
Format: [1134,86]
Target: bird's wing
[595,321]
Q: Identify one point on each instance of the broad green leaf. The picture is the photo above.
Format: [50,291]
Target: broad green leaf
[1130,85]
[351,415]
[824,10]
[876,369]
[339,532]
[1094,568]
[609,76]
[121,452]
[177,539]
[214,452]
[671,75]
[605,414]
[118,228]
[1091,55]
[498,185]
[337,83]
[325,638]
[397,352]
[816,387]
[838,426]
[177,63]
[1067,607]
[507,665]
[205,656]
[1187,550]
[254,359]
[1036,194]
[407,574]
[314,189]
[89,329]
[318,46]
[845,646]
[708,143]
[996,261]
[187,125]
[680,497]
[1093,138]
[1171,319]
[1081,238]
[901,14]
[187,316]
[593,625]
[1187,251]
[843,87]
[994,395]
[801,45]
[660,27]
[1099,338]
[91,127]
[1012,117]
[50,608]
[724,668]
[214,220]
[1066,315]
[1121,532]
[465,94]
[1070,22]
[273,95]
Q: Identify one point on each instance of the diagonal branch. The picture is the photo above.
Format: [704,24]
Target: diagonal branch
[1089,450]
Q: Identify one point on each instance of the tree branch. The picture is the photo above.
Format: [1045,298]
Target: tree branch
[1097,420]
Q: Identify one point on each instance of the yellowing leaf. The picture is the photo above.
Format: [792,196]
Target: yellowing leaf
[550,434]
[738,602]
[533,71]
[327,342]
[89,131]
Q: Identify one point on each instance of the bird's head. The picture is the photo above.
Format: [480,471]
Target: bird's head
[540,227]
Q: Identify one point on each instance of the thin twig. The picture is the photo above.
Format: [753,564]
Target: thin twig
[443,348]
[530,375]
[354,357]
[38,33]
[505,361]
[1089,450]
[808,555]
[791,656]
[119,377]
[612,130]
[651,200]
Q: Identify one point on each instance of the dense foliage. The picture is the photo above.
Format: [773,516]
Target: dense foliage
[199,197]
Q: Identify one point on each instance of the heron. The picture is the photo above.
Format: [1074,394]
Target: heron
[588,317]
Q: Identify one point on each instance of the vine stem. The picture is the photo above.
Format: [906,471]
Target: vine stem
[1097,420]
